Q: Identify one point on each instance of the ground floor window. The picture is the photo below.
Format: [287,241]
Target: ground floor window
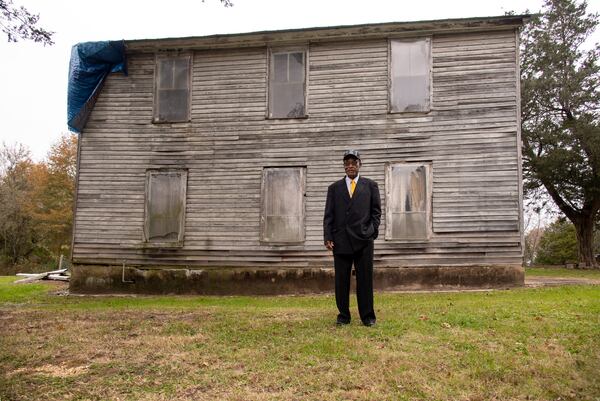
[165,206]
[408,201]
[282,211]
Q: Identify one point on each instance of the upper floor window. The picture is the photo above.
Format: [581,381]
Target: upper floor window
[408,201]
[410,89]
[287,84]
[172,89]
[165,206]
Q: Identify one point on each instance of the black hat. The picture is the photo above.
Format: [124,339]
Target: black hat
[351,153]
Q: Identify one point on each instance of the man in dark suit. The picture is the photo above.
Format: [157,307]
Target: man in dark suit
[350,224]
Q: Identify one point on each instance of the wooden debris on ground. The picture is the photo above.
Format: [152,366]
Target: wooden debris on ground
[59,274]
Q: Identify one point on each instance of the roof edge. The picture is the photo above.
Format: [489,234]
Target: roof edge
[332,33]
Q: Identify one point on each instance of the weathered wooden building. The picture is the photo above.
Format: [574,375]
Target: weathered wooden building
[205,169]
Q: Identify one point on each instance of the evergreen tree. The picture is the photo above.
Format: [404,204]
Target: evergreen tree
[558,244]
[560,115]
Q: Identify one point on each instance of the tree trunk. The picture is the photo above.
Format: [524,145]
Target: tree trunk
[584,227]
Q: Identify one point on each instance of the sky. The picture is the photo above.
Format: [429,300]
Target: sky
[33,78]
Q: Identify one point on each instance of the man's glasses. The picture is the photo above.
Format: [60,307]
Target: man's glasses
[348,163]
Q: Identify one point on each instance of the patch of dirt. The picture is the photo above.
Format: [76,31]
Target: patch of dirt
[53,370]
[543,281]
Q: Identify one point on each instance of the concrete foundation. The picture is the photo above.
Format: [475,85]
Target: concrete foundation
[99,279]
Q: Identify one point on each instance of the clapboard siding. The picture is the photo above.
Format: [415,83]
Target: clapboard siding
[467,60]
[469,137]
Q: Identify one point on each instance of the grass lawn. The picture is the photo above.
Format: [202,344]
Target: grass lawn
[553,271]
[523,344]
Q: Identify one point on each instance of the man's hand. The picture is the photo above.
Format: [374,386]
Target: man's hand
[329,245]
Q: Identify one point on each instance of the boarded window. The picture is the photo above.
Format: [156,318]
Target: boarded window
[287,84]
[165,206]
[282,217]
[408,200]
[172,99]
[410,72]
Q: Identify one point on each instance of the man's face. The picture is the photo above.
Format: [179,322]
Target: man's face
[351,166]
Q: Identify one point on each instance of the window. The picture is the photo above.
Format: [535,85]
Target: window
[172,83]
[408,201]
[287,84]
[410,76]
[282,217]
[165,206]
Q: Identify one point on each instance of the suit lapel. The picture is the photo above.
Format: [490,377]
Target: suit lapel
[344,188]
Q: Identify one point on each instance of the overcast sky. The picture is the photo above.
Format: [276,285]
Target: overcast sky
[33,78]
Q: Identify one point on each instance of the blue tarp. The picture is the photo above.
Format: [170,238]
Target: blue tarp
[90,64]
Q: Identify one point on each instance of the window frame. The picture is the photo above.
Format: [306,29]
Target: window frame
[271,52]
[428,195]
[263,198]
[428,40]
[155,101]
[183,196]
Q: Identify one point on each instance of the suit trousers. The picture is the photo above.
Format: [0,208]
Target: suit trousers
[363,264]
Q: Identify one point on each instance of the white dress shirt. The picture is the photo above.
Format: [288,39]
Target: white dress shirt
[349,181]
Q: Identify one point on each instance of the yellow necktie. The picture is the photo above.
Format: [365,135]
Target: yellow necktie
[352,186]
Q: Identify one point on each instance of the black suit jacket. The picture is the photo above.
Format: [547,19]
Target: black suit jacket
[351,223]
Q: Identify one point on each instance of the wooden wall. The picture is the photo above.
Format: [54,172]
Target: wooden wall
[470,137]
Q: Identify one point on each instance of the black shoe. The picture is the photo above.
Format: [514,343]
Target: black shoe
[342,322]
[369,322]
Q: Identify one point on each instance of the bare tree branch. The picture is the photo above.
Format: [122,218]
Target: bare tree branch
[19,24]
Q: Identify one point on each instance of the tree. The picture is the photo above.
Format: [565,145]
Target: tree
[16,229]
[536,213]
[558,244]
[560,115]
[532,244]
[52,186]
[36,201]
[597,244]
[18,23]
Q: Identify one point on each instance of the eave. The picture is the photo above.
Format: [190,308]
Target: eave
[329,34]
